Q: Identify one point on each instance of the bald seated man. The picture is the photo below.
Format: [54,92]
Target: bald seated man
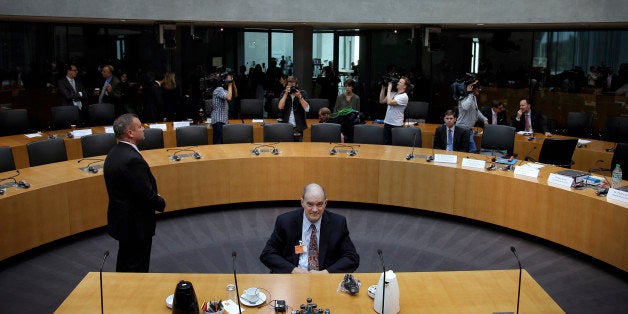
[310,240]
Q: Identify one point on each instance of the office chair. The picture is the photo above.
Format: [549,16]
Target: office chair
[251,109]
[368,134]
[498,140]
[616,129]
[97,144]
[315,105]
[46,151]
[62,117]
[278,132]
[620,156]
[237,133]
[417,110]
[557,152]
[6,159]
[326,132]
[405,137]
[14,121]
[153,139]
[579,124]
[101,114]
[192,135]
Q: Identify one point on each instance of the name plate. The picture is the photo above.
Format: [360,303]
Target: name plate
[617,195]
[109,129]
[81,133]
[559,180]
[258,121]
[161,126]
[527,171]
[473,163]
[178,124]
[451,159]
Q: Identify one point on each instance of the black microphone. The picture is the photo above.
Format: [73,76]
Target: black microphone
[512,248]
[233,254]
[411,155]
[352,152]
[90,168]
[274,150]
[102,309]
[12,177]
[430,158]
[381,258]
[528,154]
[176,157]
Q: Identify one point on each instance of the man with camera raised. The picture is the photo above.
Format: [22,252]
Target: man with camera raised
[220,105]
[468,111]
[293,104]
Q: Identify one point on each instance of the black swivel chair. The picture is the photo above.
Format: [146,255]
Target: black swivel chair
[417,110]
[579,124]
[406,137]
[6,159]
[278,132]
[498,140]
[192,135]
[616,129]
[557,152]
[46,152]
[237,133]
[315,105]
[62,117]
[368,134]
[251,109]
[102,114]
[97,144]
[326,132]
[153,139]
[14,121]
[620,156]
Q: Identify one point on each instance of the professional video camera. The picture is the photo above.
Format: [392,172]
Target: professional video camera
[389,78]
[459,87]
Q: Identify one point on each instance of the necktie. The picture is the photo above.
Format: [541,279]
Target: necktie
[450,139]
[494,118]
[312,250]
[102,92]
[528,124]
[76,103]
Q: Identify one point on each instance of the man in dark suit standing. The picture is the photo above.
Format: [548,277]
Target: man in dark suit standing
[311,239]
[293,104]
[451,137]
[496,114]
[133,197]
[72,91]
[111,91]
[529,120]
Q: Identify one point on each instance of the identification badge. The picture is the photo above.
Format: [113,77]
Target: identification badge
[299,249]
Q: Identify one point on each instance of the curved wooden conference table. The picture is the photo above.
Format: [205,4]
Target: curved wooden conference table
[64,200]
[592,155]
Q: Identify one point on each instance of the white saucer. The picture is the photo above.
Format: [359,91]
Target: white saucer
[262,299]
[169,300]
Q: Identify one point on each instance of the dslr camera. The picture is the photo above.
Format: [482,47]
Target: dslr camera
[293,89]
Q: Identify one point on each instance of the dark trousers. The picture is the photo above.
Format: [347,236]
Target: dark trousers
[388,133]
[134,256]
[217,129]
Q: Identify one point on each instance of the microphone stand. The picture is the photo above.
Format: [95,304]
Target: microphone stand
[411,155]
[514,251]
[102,309]
[381,257]
[236,282]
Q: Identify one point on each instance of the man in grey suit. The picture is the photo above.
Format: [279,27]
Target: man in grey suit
[133,197]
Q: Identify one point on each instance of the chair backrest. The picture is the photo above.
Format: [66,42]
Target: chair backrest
[274,109]
[97,144]
[325,132]
[278,132]
[417,110]
[368,134]
[251,109]
[153,139]
[46,151]
[62,117]
[406,137]
[6,159]
[621,157]
[558,151]
[616,129]
[14,121]
[192,135]
[102,114]
[315,105]
[237,133]
[579,124]
[498,139]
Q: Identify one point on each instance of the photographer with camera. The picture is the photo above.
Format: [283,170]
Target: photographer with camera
[468,111]
[293,104]
[220,104]
[397,102]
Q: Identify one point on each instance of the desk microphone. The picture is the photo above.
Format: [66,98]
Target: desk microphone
[257,151]
[528,154]
[91,168]
[102,309]
[233,255]
[176,157]
[381,258]
[411,155]
[431,157]
[514,251]
[352,152]
[12,177]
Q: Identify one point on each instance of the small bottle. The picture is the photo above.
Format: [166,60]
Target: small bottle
[231,293]
[617,175]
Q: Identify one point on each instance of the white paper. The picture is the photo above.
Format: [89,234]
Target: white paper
[473,163]
[231,306]
[527,171]
[161,126]
[33,135]
[617,195]
[109,129]
[534,165]
[258,120]
[178,124]
[583,142]
[81,133]
[452,159]
[524,133]
[559,180]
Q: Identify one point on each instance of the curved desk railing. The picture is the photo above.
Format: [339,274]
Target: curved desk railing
[64,200]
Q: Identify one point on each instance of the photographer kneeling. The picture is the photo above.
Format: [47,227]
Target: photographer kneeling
[293,104]
[397,102]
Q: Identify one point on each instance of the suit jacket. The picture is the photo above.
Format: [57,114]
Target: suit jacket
[538,122]
[336,253]
[461,138]
[501,117]
[69,94]
[153,103]
[116,93]
[299,112]
[133,197]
